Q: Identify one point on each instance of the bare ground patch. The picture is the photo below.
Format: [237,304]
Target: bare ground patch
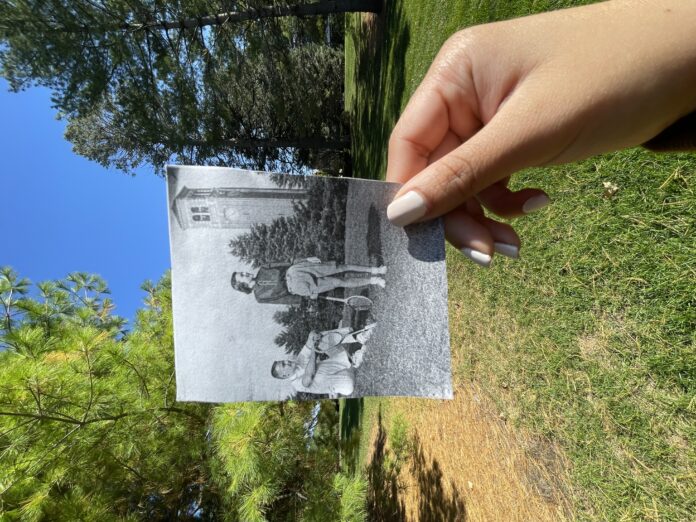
[466,464]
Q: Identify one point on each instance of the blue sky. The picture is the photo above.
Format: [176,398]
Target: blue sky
[61,213]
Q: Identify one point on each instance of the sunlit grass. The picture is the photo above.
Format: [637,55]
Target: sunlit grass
[590,338]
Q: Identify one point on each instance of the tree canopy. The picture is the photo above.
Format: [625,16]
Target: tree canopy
[137,88]
[90,428]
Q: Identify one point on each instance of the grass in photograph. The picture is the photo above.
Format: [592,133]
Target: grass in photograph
[586,345]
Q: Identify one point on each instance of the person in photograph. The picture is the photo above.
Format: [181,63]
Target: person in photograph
[333,375]
[288,283]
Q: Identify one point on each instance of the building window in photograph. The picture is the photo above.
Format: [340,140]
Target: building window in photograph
[200,214]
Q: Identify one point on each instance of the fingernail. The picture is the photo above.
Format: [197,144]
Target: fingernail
[507,250]
[535,203]
[406,209]
[477,257]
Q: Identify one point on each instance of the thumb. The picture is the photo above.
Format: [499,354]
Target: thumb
[501,147]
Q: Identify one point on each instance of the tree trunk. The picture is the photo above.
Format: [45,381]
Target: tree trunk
[316,143]
[324,7]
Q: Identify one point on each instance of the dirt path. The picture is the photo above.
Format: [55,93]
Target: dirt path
[465,462]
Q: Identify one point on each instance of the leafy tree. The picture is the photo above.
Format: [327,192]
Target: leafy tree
[90,430]
[252,114]
[141,81]
[88,424]
[11,291]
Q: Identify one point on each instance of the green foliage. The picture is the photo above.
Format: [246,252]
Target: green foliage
[90,429]
[400,442]
[259,449]
[352,490]
[317,229]
[135,93]
[278,461]
[88,424]
[11,291]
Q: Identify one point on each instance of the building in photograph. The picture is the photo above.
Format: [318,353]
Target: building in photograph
[233,207]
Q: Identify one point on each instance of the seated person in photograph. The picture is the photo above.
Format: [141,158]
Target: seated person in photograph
[333,375]
[287,283]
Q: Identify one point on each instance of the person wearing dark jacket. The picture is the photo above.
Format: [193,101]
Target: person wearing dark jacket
[287,283]
[268,285]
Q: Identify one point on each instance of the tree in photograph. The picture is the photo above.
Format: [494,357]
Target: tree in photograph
[298,320]
[317,228]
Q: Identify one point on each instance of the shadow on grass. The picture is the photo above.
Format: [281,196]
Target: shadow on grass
[384,501]
[380,46]
[385,494]
[350,424]
[435,503]
[374,237]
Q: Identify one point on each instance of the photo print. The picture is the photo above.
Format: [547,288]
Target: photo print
[298,287]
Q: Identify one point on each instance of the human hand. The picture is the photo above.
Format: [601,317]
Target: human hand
[314,338]
[535,91]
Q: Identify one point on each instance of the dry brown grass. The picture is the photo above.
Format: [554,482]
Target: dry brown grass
[464,455]
[371,31]
[467,456]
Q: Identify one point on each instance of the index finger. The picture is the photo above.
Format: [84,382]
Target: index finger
[420,129]
[438,106]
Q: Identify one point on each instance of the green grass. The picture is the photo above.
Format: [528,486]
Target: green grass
[357,417]
[593,330]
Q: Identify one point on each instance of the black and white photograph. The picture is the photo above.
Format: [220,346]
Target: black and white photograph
[298,287]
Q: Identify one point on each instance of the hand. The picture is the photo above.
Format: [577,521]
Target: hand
[314,338]
[536,91]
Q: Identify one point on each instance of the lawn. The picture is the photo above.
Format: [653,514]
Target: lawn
[589,340]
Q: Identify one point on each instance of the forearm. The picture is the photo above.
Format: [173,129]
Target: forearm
[310,370]
[661,38]
[665,50]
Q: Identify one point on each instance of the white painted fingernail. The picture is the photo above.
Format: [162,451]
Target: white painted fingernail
[535,203]
[507,250]
[477,257]
[406,209]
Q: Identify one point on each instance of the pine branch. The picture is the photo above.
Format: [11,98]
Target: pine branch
[102,418]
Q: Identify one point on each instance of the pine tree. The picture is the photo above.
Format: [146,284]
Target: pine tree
[298,320]
[90,429]
[141,81]
[316,229]
[87,417]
